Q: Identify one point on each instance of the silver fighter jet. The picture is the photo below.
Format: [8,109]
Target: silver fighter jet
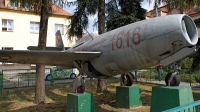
[139,45]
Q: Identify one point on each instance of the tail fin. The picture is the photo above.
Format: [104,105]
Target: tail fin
[59,41]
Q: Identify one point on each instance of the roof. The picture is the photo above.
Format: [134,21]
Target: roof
[164,9]
[59,11]
[192,12]
[55,10]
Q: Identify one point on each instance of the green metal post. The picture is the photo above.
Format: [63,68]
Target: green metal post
[52,79]
[28,77]
[136,76]
[150,75]
[1,81]
[91,79]
[190,77]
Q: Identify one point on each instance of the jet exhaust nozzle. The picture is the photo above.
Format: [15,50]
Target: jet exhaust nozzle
[189,30]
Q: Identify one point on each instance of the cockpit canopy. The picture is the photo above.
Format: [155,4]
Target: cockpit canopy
[87,38]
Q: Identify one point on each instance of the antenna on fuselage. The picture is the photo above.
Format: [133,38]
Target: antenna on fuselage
[89,34]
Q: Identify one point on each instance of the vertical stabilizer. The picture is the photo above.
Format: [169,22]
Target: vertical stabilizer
[59,41]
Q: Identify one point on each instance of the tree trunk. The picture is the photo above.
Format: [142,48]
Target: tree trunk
[101,16]
[40,69]
[102,83]
[102,86]
[40,85]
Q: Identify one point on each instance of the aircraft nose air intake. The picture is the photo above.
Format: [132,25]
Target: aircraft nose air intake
[189,30]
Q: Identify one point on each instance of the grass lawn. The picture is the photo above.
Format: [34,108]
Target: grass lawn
[21,99]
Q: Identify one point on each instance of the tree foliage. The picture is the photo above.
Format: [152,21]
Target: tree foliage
[116,12]
[197,22]
[119,15]
[79,21]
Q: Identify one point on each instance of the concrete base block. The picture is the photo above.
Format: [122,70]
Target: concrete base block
[164,97]
[80,102]
[128,97]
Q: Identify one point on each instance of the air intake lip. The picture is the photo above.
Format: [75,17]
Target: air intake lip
[189,30]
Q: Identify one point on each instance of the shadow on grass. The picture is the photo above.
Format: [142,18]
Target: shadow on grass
[4,106]
[48,107]
[15,94]
[57,98]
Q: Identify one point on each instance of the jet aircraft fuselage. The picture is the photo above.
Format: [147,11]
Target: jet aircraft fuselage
[140,45]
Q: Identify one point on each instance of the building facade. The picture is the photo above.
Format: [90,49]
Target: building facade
[20,27]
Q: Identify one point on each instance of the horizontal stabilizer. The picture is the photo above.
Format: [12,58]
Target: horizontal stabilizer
[47,48]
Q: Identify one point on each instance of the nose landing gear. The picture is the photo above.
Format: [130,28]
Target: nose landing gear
[127,79]
[173,79]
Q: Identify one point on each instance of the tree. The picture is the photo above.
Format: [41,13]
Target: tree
[119,15]
[44,8]
[40,69]
[80,22]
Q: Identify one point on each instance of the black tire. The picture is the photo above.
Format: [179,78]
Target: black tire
[72,76]
[129,79]
[175,81]
[48,77]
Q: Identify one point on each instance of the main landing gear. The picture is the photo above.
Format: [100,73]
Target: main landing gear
[79,84]
[127,79]
[173,79]
[79,81]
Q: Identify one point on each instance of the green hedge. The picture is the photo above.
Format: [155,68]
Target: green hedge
[197,22]
[185,74]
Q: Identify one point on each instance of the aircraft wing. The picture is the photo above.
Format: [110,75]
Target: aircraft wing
[54,58]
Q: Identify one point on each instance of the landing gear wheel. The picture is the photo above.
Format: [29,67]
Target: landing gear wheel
[72,76]
[128,81]
[174,82]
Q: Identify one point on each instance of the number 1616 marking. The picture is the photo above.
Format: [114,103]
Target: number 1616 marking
[130,37]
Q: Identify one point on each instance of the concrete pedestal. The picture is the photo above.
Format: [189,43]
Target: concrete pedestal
[80,102]
[128,97]
[164,97]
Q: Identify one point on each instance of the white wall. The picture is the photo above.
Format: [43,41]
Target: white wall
[20,38]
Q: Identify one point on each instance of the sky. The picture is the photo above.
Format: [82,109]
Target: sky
[92,29]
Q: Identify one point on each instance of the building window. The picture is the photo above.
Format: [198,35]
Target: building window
[59,27]
[7,25]
[2,3]
[25,7]
[34,27]
[13,4]
[7,48]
